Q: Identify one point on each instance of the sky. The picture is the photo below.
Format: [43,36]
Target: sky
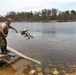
[35,5]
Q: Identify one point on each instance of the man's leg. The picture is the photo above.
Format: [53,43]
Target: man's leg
[3,49]
[4,45]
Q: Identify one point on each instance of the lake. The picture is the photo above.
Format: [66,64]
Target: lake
[54,43]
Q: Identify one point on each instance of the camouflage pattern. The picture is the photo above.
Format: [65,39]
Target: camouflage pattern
[2,41]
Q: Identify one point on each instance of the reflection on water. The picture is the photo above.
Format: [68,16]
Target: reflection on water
[53,43]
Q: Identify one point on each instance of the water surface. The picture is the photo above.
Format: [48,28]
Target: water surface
[53,43]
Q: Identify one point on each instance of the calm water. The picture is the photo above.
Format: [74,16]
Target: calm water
[55,41]
[52,43]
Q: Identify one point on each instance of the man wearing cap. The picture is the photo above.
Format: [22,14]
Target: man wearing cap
[4,28]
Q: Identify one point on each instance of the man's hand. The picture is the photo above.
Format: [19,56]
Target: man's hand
[3,34]
[16,31]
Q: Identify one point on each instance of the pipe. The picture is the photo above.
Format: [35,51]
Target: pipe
[23,56]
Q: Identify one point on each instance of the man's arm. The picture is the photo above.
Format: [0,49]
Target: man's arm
[14,28]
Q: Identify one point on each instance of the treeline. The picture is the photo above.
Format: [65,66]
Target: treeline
[43,15]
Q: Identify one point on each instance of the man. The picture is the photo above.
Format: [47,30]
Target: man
[4,28]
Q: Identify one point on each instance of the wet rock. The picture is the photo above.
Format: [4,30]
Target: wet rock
[48,74]
[55,71]
[47,70]
[28,66]
[39,69]
[50,65]
[32,72]
[40,73]
[48,61]
[63,71]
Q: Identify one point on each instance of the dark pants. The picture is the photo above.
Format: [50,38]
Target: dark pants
[4,47]
[3,44]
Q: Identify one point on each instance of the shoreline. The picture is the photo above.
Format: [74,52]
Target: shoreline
[49,21]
